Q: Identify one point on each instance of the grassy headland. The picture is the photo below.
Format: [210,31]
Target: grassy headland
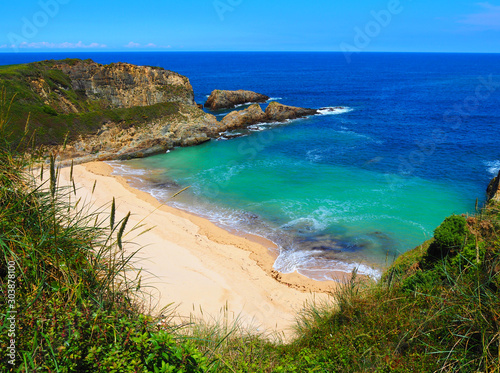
[57,112]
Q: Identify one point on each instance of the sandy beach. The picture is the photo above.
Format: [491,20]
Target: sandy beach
[201,269]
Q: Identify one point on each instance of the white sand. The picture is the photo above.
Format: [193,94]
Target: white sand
[199,267]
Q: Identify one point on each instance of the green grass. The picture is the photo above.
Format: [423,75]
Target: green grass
[78,298]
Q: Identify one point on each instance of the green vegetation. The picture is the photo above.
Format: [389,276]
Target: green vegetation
[57,112]
[79,305]
[427,314]
[74,292]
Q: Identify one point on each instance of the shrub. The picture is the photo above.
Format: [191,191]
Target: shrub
[49,110]
[449,236]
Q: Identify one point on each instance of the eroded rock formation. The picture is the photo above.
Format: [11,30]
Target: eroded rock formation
[277,112]
[243,118]
[220,99]
[493,190]
[122,85]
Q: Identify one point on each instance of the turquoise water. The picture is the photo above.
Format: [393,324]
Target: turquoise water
[418,143]
[323,216]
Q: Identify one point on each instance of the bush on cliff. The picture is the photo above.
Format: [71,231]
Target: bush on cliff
[449,237]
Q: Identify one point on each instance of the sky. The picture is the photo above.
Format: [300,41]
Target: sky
[250,25]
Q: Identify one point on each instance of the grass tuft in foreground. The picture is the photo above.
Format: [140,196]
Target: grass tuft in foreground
[69,293]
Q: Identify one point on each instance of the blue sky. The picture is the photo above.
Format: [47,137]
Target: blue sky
[250,25]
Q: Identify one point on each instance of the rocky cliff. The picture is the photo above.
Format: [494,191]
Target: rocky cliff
[493,190]
[104,111]
[87,111]
[220,99]
[122,85]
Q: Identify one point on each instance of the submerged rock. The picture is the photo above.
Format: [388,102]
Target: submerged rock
[277,112]
[220,99]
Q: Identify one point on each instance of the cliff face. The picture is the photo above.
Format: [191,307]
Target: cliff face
[118,85]
[493,190]
[122,85]
[104,111]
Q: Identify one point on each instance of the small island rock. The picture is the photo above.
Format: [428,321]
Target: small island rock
[243,118]
[220,99]
[277,112]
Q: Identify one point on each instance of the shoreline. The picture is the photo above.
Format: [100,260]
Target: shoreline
[203,270]
[258,246]
[273,243]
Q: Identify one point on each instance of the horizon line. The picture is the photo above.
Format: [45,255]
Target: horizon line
[229,51]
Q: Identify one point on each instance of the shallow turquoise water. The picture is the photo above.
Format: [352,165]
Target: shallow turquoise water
[323,215]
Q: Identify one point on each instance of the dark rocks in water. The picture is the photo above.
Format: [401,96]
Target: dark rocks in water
[229,136]
[244,118]
[194,140]
[331,109]
[493,190]
[220,99]
[277,112]
[327,248]
[200,106]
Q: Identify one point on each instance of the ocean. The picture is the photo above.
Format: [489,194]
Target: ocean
[417,141]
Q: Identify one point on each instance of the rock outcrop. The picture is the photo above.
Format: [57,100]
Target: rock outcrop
[190,126]
[219,99]
[277,112]
[121,111]
[115,111]
[122,85]
[493,190]
[243,118]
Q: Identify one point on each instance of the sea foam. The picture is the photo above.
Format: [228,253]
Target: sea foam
[334,110]
[493,167]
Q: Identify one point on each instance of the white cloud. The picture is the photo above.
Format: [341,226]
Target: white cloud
[3,46]
[65,45]
[488,18]
[132,45]
[138,45]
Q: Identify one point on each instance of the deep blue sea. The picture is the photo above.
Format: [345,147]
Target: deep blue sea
[418,141]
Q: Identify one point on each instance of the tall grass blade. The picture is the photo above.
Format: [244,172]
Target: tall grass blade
[112,215]
[122,229]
